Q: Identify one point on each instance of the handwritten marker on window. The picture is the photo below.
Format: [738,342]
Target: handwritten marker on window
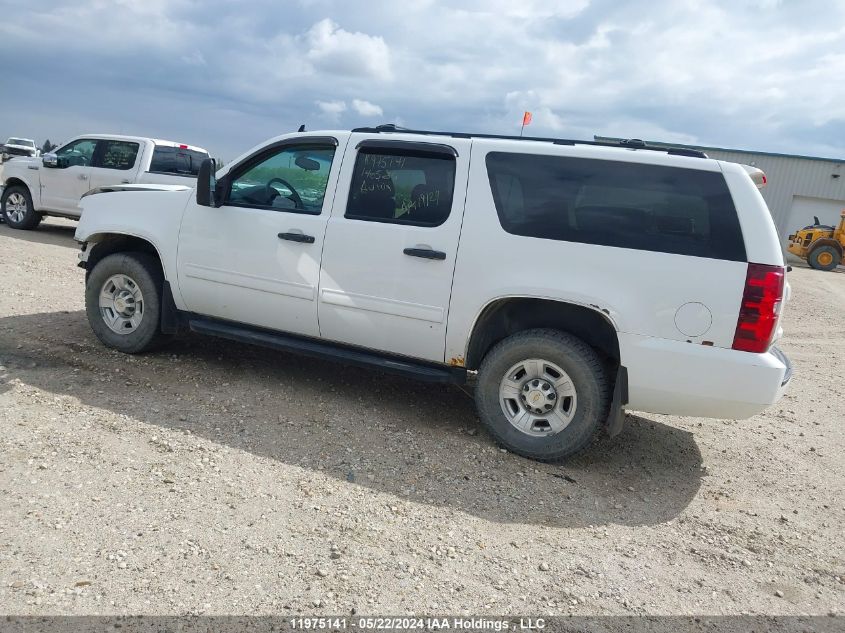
[526,120]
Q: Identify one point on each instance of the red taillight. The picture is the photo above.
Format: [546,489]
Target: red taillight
[183,147]
[760,309]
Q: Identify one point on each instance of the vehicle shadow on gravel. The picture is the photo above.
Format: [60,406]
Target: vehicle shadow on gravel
[419,442]
[46,233]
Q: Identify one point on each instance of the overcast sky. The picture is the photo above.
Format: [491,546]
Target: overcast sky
[756,74]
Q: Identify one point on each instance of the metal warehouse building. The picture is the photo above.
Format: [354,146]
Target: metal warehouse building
[798,188]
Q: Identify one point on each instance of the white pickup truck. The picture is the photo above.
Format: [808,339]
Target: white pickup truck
[15,146]
[54,183]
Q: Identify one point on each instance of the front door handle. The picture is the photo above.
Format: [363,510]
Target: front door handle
[425,253]
[297,237]
[83,177]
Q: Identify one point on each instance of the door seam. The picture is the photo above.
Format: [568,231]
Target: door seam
[326,233]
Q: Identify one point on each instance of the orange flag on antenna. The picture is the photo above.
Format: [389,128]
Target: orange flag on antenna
[526,119]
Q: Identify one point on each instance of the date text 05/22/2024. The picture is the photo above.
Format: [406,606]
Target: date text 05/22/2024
[409,623]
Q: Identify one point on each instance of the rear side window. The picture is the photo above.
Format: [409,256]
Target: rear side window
[116,155]
[176,160]
[401,187]
[612,203]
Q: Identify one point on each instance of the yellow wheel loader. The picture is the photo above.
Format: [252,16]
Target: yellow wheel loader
[820,245]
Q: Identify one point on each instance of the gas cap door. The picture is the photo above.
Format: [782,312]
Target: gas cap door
[693,319]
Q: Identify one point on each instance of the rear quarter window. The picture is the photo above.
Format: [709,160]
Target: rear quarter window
[613,203]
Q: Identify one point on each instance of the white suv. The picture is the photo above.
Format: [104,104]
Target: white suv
[572,279]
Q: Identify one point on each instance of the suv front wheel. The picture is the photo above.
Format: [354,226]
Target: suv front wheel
[123,301]
[543,394]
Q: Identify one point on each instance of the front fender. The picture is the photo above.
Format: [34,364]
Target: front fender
[153,215]
[19,171]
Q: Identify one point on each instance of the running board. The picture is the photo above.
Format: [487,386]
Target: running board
[331,351]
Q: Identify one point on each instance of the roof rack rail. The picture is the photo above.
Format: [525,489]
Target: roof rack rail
[631,143]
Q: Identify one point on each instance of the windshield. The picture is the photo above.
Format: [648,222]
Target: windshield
[20,141]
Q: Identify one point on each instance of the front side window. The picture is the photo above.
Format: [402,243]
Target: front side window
[76,154]
[293,179]
[401,187]
[614,203]
[116,155]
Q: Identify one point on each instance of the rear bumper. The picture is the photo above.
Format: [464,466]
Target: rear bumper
[787,376]
[680,378]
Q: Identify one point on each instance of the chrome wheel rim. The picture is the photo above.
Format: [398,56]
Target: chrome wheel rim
[121,304]
[16,207]
[538,398]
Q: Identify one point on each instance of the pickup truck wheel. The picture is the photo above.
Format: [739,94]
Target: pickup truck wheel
[123,302]
[543,394]
[17,208]
[824,258]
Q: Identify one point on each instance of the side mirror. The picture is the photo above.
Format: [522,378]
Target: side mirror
[207,184]
[50,160]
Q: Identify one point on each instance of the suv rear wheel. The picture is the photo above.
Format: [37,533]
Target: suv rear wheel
[16,207]
[543,394]
[123,301]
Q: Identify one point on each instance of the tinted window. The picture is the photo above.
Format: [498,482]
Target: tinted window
[176,160]
[116,155]
[628,205]
[401,186]
[292,179]
[76,154]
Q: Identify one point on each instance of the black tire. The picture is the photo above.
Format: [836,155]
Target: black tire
[31,218]
[586,371]
[813,258]
[144,270]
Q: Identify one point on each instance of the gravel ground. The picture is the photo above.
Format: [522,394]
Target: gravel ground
[210,478]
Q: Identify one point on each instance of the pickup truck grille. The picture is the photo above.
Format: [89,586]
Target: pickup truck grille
[14,151]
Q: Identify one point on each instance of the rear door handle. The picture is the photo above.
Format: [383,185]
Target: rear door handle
[297,237]
[83,177]
[425,253]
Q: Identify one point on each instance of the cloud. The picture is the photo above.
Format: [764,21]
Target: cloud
[365,108]
[340,52]
[332,109]
[756,75]
[528,9]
